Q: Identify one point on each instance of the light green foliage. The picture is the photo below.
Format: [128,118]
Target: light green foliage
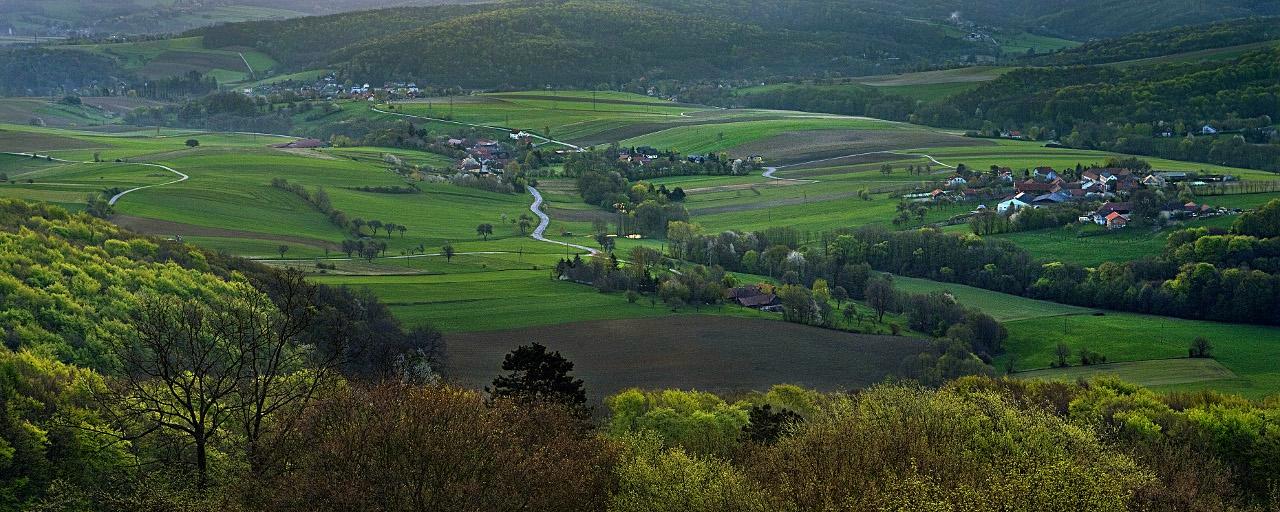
[49,428]
[895,448]
[699,422]
[652,478]
[68,282]
[1245,434]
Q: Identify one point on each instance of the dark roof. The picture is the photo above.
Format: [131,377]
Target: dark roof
[1114,207]
[756,301]
[744,291]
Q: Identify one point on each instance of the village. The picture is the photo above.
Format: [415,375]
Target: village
[1045,187]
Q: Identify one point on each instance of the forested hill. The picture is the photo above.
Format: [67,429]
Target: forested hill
[302,42]
[1158,43]
[588,42]
[1079,19]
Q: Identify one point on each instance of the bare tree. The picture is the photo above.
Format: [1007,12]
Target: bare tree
[198,368]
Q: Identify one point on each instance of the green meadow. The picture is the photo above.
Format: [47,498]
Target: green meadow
[229,204]
[1151,344]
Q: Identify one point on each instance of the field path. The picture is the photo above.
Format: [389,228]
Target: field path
[768,171]
[181,177]
[490,127]
[544,221]
[246,63]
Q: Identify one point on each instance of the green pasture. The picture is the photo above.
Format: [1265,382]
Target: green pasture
[1250,352]
[502,300]
[1131,243]
[710,138]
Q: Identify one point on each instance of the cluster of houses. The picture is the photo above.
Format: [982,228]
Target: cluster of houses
[484,157]
[329,88]
[1045,187]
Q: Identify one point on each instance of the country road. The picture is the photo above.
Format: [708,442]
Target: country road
[544,221]
[181,177]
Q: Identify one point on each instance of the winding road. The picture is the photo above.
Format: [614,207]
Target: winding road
[181,177]
[539,233]
[544,221]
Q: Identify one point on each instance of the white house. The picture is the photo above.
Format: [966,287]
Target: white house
[1208,130]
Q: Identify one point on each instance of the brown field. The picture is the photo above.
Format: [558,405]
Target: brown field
[804,146]
[119,104]
[709,353]
[31,141]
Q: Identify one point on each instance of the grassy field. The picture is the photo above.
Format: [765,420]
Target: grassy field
[1249,353]
[691,352]
[1062,244]
[505,283]
[1155,372]
[168,57]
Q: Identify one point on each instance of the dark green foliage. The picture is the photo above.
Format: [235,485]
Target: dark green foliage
[537,375]
[1263,222]
[1167,42]
[1200,347]
[39,71]
[766,425]
[621,41]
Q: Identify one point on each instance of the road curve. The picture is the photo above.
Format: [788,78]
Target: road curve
[181,177]
[544,221]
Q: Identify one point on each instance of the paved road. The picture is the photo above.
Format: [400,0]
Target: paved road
[544,221]
[181,177]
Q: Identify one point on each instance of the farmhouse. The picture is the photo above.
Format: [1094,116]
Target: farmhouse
[752,296]
[1103,213]
[1115,220]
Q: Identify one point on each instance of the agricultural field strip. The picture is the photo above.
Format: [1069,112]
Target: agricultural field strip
[539,137]
[768,171]
[182,177]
